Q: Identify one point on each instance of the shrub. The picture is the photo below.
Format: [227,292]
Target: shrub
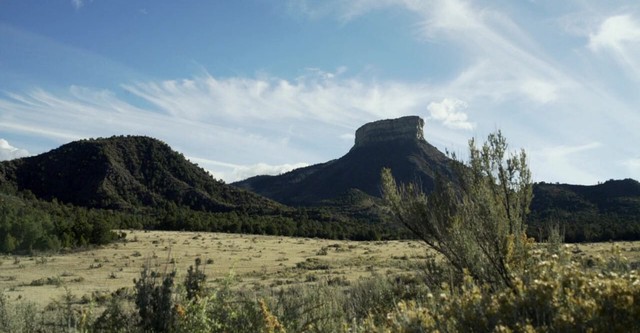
[220,310]
[195,281]
[154,300]
[309,308]
[558,294]
[477,222]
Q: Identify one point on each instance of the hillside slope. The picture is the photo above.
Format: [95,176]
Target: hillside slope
[125,172]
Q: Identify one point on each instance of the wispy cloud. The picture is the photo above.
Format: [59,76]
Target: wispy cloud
[615,32]
[319,97]
[619,36]
[8,152]
[262,124]
[568,164]
[633,165]
[234,172]
[247,171]
[547,92]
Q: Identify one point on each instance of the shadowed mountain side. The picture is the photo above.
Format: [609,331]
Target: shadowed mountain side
[397,144]
[125,172]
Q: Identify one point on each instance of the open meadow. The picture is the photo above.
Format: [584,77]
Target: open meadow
[253,262]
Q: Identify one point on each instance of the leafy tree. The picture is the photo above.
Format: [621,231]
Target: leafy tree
[477,222]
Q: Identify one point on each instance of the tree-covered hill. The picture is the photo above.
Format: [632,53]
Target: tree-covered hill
[75,195]
[124,172]
[602,212]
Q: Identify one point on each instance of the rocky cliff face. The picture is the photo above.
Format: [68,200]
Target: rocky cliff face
[405,128]
[397,144]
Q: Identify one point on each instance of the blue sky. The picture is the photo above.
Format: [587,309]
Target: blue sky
[253,87]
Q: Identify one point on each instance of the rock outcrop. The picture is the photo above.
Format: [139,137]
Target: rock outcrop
[405,128]
[397,144]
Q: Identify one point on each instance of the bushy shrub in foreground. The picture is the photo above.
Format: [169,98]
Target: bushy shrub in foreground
[558,294]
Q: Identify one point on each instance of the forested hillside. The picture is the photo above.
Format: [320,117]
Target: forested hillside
[125,172]
[603,212]
[73,196]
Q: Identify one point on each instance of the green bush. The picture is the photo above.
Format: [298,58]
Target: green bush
[477,222]
[154,300]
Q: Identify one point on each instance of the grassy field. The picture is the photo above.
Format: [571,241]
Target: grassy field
[253,261]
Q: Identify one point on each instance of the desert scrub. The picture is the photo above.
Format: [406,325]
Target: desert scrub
[559,294]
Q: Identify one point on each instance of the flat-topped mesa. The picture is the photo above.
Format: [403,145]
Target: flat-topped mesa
[405,128]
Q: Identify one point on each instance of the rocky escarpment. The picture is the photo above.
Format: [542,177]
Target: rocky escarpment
[405,128]
[397,144]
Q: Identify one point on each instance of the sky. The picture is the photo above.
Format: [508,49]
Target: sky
[249,87]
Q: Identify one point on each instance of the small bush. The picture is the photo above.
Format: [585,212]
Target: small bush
[195,281]
[313,264]
[154,300]
[50,281]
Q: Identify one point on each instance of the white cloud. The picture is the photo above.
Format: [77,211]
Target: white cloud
[614,32]
[503,61]
[517,74]
[539,90]
[8,152]
[77,4]
[348,136]
[238,121]
[319,97]
[449,113]
[563,151]
[620,36]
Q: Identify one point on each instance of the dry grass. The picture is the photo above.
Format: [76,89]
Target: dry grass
[254,261]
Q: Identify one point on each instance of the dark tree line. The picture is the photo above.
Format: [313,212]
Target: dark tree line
[29,224]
